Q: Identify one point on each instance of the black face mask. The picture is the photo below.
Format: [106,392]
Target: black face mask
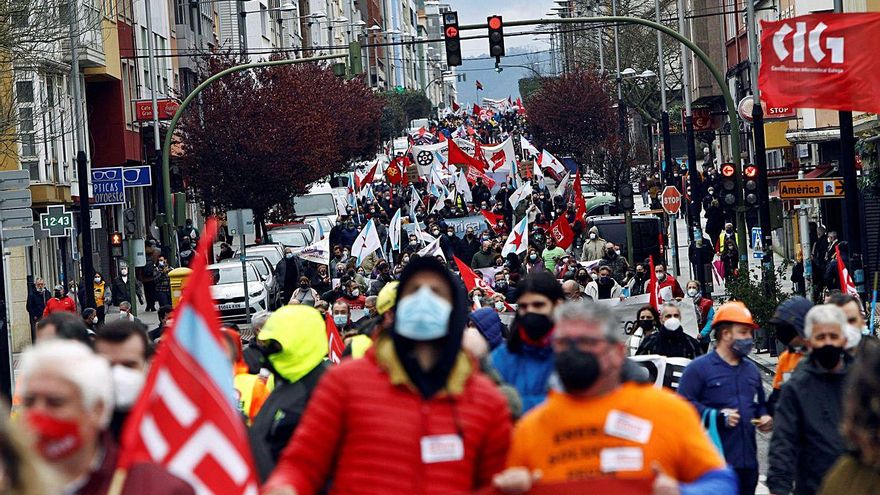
[57,294]
[646,324]
[303,286]
[827,356]
[536,326]
[500,285]
[578,370]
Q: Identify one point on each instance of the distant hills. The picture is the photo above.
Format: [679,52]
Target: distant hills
[500,85]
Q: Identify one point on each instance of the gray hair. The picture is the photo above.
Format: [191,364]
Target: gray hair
[125,306]
[371,299]
[258,321]
[589,312]
[669,304]
[823,314]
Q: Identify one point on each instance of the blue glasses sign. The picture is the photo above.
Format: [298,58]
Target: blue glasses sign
[137,176]
[108,186]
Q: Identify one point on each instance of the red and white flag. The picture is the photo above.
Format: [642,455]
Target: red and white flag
[821,61]
[654,288]
[579,203]
[456,156]
[335,345]
[518,240]
[360,182]
[546,160]
[472,280]
[846,282]
[562,233]
[501,157]
[186,419]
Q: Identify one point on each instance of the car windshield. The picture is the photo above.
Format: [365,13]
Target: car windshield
[261,267]
[231,274]
[314,205]
[294,238]
[270,253]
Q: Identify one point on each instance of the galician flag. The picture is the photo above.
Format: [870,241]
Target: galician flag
[549,161]
[366,242]
[518,240]
[520,194]
[394,231]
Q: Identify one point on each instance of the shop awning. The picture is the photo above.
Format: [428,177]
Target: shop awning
[813,135]
[820,171]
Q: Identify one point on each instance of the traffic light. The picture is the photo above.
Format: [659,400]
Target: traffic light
[116,244]
[625,197]
[129,219]
[751,185]
[452,38]
[496,36]
[355,59]
[728,185]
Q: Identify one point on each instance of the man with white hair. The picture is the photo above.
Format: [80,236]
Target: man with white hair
[67,401]
[807,441]
[599,425]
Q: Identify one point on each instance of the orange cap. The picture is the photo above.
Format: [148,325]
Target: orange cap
[734,312]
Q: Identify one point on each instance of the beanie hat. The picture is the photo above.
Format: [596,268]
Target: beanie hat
[488,323]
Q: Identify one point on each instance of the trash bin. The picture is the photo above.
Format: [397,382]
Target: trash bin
[178,278]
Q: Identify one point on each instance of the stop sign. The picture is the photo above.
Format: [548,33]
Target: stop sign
[671,200]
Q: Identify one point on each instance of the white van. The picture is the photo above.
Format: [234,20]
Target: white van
[318,202]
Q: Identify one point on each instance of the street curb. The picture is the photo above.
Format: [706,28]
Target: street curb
[763,367]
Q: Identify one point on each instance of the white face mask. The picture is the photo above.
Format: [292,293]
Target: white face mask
[672,324]
[124,271]
[853,336]
[127,385]
[95,320]
[499,306]
[356,292]
[593,236]
[693,292]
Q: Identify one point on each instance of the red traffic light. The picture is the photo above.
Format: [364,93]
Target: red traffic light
[116,239]
[728,170]
[451,31]
[751,171]
[495,22]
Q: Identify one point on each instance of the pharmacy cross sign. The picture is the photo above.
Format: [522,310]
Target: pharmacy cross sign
[56,221]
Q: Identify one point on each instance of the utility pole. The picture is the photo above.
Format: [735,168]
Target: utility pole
[693,210]
[167,232]
[82,162]
[666,167]
[760,152]
[852,210]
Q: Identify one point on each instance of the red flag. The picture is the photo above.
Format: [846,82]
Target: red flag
[509,101]
[492,219]
[804,65]
[458,157]
[335,345]
[455,107]
[846,282]
[654,287]
[185,419]
[562,233]
[396,171]
[479,85]
[472,280]
[473,173]
[367,178]
[579,203]
[441,138]
[476,110]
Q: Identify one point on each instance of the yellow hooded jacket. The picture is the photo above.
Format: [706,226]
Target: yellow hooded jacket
[303,337]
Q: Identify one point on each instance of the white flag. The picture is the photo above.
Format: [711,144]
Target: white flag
[563,184]
[520,194]
[539,175]
[394,231]
[518,240]
[461,185]
[549,161]
[318,252]
[433,249]
[366,242]
[501,157]
[527,147]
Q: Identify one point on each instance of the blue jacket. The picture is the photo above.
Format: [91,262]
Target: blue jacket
[709,382]
[529,372]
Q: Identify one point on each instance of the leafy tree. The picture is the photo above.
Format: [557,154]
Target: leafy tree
[400,108]
[256,138]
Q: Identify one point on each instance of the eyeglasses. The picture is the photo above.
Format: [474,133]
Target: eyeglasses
[101,175]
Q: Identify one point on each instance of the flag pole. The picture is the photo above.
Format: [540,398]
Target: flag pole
[118,481]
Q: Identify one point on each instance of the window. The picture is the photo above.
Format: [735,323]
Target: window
[19,13]
[264,20]
[24,91]
[180,12]
[32,166]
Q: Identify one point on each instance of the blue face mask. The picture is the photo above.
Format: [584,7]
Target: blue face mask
[422,315]
[743,347]
[340,320]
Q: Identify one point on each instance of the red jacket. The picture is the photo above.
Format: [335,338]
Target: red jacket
[64,304]
[362,432]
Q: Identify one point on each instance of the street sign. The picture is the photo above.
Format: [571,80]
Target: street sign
[18,237]
[166,107]
[671,200]
[830,188]
[757,243]
[240,222]
[108,186]
[14,179]
[17,218]
[140,252]
[95,219]
[56,221]
[747,104]
[139,176]
[10,200]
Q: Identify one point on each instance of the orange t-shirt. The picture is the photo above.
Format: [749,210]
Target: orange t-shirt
[788,361]
[619,435]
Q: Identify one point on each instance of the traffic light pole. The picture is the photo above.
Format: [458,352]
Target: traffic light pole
[716,73]
[172,125]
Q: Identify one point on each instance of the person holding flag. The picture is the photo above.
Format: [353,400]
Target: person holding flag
[366,243]
[414,415]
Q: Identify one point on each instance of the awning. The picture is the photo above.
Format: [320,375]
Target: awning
[813,135]
[820,171]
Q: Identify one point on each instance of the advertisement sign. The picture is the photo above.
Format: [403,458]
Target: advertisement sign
[139,176]
[143,109]
[108,186]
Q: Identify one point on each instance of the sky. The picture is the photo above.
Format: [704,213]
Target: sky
[476,11]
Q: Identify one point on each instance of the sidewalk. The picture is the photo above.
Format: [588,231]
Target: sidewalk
[765,362]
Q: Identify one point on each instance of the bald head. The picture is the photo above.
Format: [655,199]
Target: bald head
[572,290]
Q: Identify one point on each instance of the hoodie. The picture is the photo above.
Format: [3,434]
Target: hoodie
[298,364]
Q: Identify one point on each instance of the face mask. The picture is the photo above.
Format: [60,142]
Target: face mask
[693,292]
[95,320]
[533,257]
[405,260]
[593,236]
[594,276]
[672,324]
[413,243]
[304,285]
[161,264]
[422,316]
[500,285]
[535,326]
[127,386]
[56,438]
[340,320]
[499,306]
[827,356]
[853,336]
[640,274]
[356,292]
[610,253]
[743,347]
[661,276]
[435,232]
[577,370]
[124,271]
[604,280]
[123,315]
[617,252]
[97,280]
[289,256]
[57,294]
[646,324]
[345,254]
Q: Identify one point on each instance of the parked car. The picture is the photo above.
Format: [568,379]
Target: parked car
[647,235]
[228,291]
[266,271]
[295,236]
[271,251]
